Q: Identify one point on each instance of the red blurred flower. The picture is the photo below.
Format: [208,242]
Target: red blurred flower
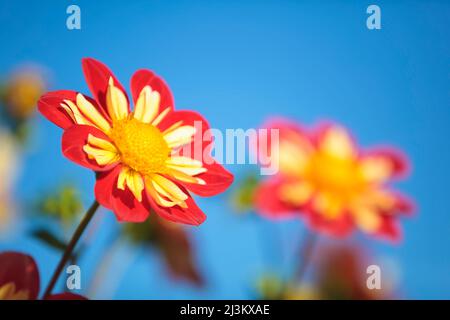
[175,245]
[142,157]
[341,274]
[334,184]
[19,279]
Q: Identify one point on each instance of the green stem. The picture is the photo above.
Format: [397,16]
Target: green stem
[70,247]
[306,254]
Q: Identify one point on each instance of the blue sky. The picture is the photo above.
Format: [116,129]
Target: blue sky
[238,63]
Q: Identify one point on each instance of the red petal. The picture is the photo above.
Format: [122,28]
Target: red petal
[190,118]
[202,141]
[127,208]
[217,180]
[268,202]
[286,126]
[106,182]
[191,215]
[144,78]
[288,130]
[404,204]
[66,296]
[73,141]
[339,227]
[97,77]
[398,160]
[390,230]
[50,106]
[20,269]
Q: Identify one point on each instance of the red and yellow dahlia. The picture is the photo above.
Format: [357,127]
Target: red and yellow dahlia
[145,158]
[19,279]
[336,186]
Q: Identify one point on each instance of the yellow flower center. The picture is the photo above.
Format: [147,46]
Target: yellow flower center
[339,177]
[142,146]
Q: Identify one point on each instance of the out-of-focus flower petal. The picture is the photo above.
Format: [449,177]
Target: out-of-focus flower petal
[176,248]
[20,270]
[335,140]
[381,164]
[294,146]
[66,296]
[268,201]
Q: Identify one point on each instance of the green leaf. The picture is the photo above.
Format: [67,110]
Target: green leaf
[49,239]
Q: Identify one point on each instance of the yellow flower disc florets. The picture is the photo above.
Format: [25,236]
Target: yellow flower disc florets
[141,145]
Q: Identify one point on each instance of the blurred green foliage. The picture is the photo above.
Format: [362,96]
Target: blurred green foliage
[270,287]
[64,204]
[140,233]
[243,195]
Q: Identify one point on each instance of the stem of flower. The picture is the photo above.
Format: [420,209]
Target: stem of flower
[70,247]
[306,253]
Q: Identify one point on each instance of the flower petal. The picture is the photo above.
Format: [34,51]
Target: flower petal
[74,141]
[165,192]
[106,182]
[66,296]
[92,112]
[200,146]
[215,180]
[367,219]
[335,140]
[389,230]
[143,78]
[147,105]
[127,208]
[128,178]
[180,136]
[268,201]
[116,102]
[294,146]
[191,215]
[50,106]
[20,270]
[381,164]
[340,227]
[97,77]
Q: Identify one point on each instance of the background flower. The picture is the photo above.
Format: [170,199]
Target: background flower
[337,186]
[173,243]
[19,279]
[22,91]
